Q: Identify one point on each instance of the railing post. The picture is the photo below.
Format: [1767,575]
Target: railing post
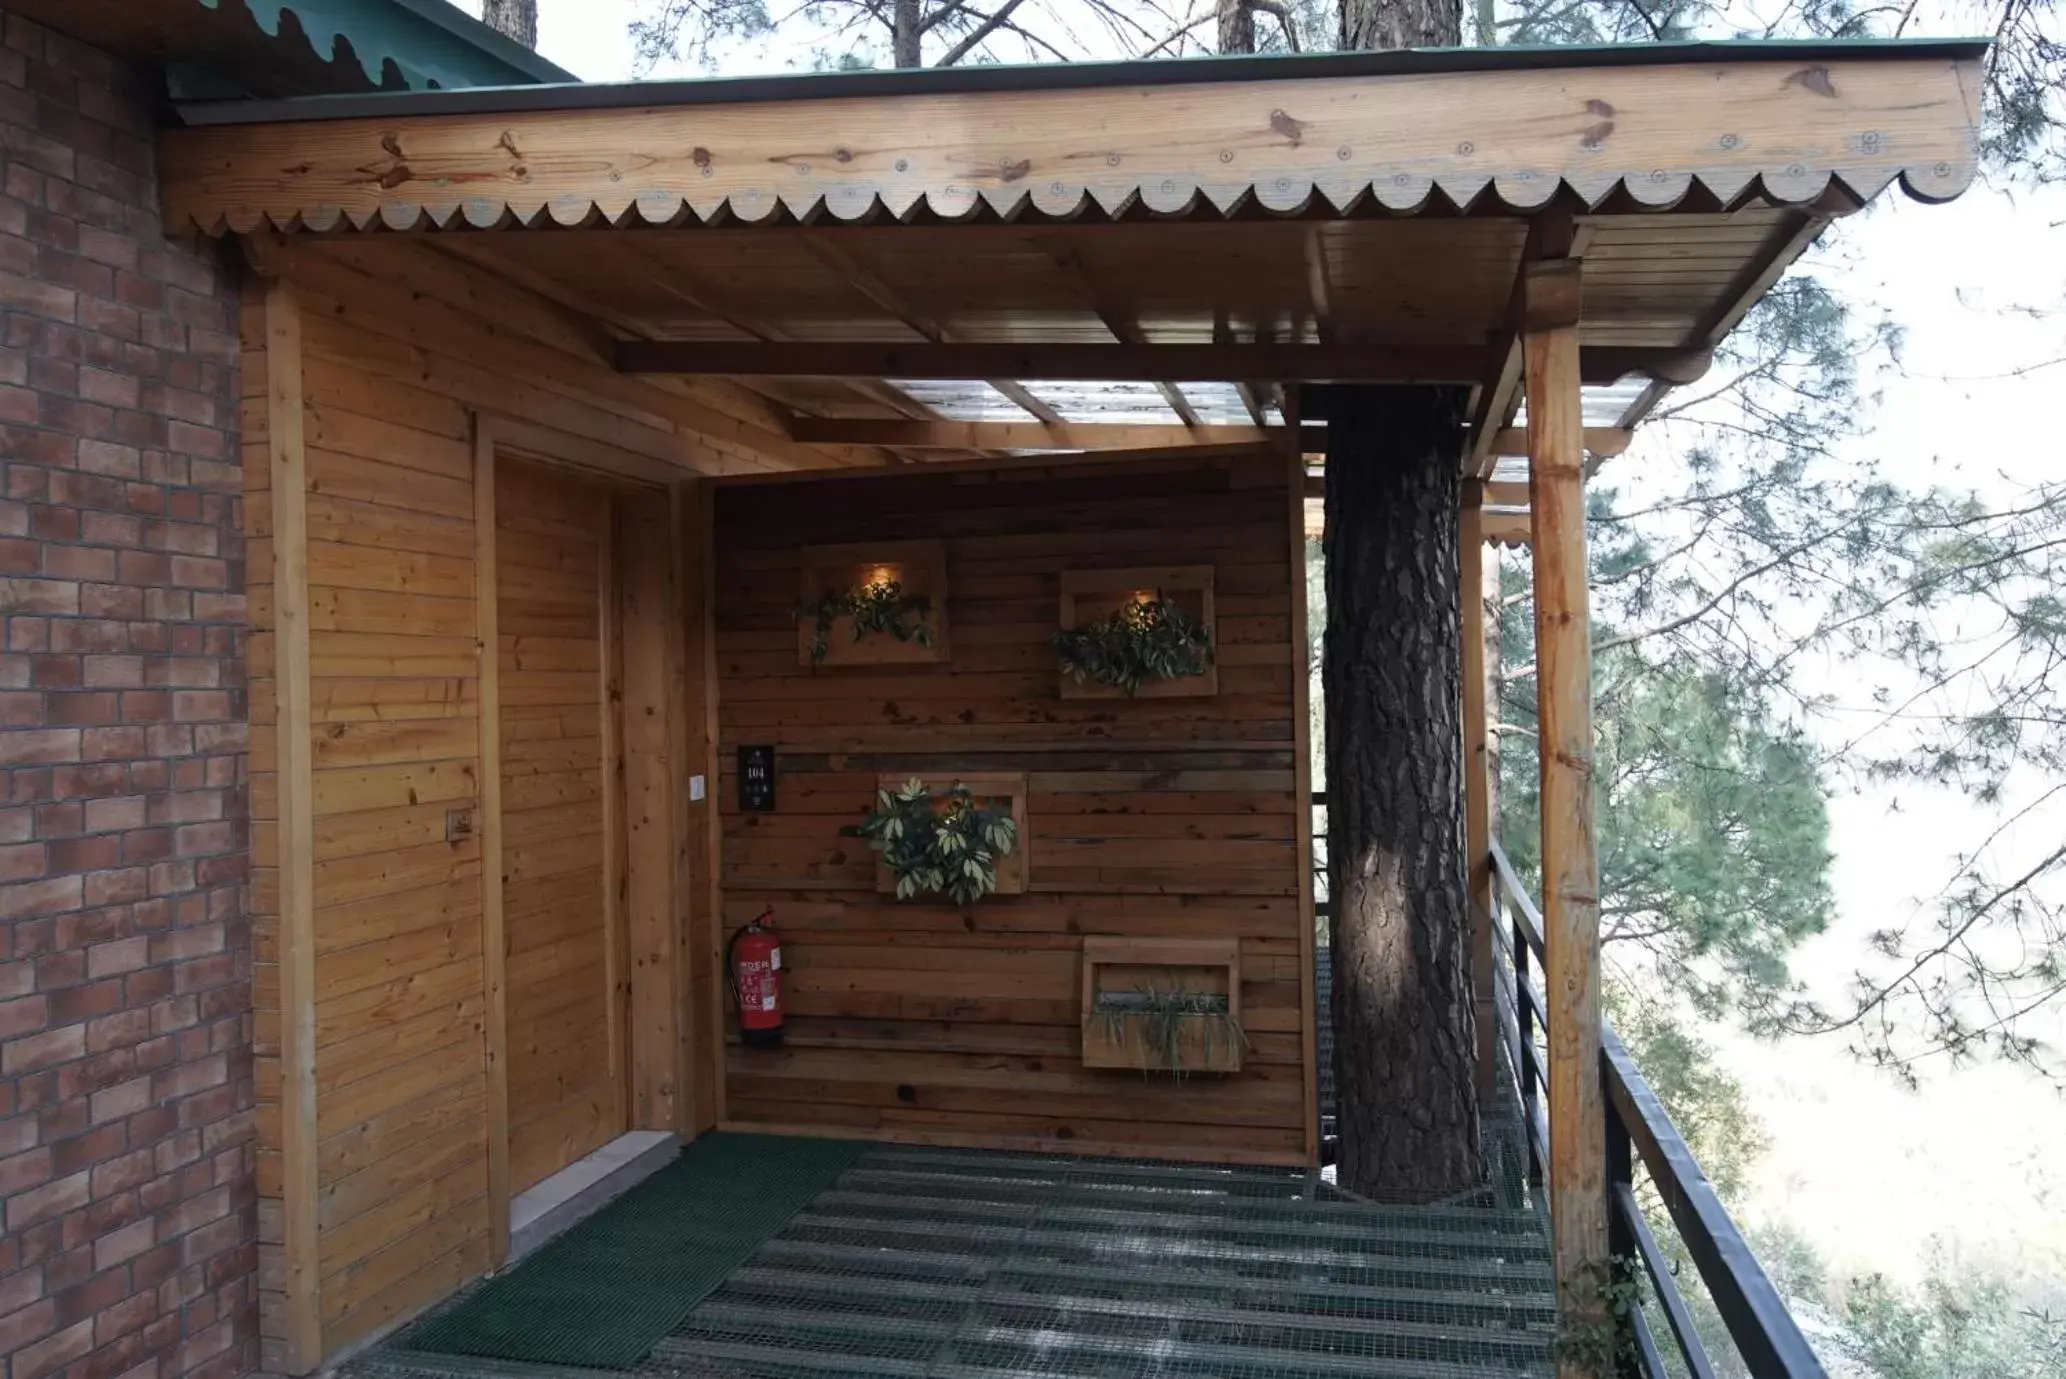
[1524,1049]
[1621,1233]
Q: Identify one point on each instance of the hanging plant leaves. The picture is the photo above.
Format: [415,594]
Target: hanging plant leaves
[1163,1018]
[880,605]
[1146,639]
[945,845]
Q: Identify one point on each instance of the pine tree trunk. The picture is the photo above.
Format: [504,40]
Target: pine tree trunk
[1237,27]
[517,19]
[906,41]
[1387,24]
[1404,1032]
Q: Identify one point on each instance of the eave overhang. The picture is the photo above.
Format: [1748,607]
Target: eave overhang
[1643,130]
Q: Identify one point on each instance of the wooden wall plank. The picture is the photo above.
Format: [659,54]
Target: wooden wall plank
[1152,818]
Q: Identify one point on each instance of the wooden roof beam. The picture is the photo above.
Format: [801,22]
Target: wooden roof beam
[1554,234]
[870,285]
[1093,435]
[1149,363]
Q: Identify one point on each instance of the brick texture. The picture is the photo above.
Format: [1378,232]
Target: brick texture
[127,1220]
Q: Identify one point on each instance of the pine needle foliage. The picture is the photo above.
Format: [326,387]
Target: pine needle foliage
[945,845]
[1146,639]
[878,606]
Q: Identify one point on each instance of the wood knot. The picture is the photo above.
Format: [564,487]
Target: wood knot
[700,156]
[1292,129]
[1012,172]
[392,142]
[1816,79]
[1600,108]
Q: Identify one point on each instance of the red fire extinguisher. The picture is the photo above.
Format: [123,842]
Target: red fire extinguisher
[753,969]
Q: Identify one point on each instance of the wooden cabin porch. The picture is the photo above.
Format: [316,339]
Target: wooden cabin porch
[558,404]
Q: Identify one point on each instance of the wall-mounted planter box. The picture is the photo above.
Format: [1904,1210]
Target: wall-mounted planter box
[1004,788]
[1123,967]
[919,566]
[1090,595]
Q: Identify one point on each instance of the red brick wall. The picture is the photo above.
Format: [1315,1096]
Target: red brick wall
[125,1045]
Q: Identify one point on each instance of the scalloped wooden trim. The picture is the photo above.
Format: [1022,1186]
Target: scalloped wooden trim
[1644,137]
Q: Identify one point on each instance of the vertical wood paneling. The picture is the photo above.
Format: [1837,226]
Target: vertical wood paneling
[494,937]
[652,910]
[1150,818]
[698,547]
[289,598]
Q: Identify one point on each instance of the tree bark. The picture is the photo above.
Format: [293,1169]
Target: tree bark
[1405,1037]
[517,19]
[1388,24]
[906,37]
[1237,27]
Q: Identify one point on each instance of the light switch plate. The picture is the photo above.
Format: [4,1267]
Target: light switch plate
[696,789]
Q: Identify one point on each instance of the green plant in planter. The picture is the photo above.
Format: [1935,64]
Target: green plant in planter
[880,605]
[947,845]
[1146,639]
[1164,1017]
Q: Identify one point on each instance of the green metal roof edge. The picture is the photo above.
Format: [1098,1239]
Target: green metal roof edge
[430,42]
[995,77]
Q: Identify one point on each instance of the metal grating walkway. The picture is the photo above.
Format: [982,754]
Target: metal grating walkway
[919,1263]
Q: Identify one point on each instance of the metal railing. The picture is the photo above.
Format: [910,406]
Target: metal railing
[1764,1333]
[1639,1132]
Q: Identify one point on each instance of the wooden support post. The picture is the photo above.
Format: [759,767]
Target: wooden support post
[1570,870]
[651,889]
[1477,781]
[698,530]
[296,849]
[494,950]
[613,902]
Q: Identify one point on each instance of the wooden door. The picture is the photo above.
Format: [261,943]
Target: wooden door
[562,924]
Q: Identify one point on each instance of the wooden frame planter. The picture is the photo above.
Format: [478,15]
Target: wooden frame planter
[1088,595]
[919,566]
[1014,868]
[1112,964]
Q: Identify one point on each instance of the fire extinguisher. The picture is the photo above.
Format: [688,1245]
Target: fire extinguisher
[753,970]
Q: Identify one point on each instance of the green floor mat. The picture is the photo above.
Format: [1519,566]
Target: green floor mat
[603,1293]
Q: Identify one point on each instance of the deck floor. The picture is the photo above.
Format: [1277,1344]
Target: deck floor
[918,1263]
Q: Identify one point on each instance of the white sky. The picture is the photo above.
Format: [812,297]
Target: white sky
[1878,1178]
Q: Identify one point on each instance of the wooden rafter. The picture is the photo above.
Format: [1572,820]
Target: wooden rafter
[1153,363]
[870,285]
[1020,435]
[693,290]
[1124,325]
